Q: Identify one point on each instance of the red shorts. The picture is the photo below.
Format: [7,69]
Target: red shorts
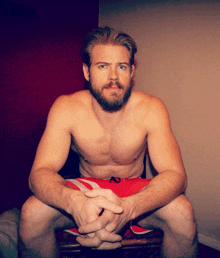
[122,187]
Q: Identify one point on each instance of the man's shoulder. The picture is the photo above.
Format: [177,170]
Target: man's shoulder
[149,110]
[80,98]
[70,107]
[147,101]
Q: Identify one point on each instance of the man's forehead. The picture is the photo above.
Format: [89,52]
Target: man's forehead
[103,52]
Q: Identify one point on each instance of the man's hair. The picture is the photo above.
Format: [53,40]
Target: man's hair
[103,36]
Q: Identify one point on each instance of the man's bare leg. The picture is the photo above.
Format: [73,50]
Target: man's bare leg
[37,229]
[178,224]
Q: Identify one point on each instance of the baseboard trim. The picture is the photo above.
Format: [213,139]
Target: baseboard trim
[205,240]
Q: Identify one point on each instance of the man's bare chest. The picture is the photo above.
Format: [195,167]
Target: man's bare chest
[121,145]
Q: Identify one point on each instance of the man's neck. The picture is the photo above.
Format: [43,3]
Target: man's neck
[108,119]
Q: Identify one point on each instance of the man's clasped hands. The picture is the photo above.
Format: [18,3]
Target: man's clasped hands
[100,215]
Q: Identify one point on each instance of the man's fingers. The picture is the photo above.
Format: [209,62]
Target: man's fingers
[102,240]
[105,193]
[108,246]
[103,203]
[96,243]
[89,242]
[98,192]
[96,225]
[99,238]
[107,236]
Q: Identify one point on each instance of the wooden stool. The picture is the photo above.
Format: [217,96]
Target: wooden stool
[145,245]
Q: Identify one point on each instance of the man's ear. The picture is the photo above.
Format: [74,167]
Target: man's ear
[132,70]
[86,72]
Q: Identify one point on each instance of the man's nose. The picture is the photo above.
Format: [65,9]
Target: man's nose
[113,74]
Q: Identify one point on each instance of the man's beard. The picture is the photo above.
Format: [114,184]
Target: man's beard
[115,104]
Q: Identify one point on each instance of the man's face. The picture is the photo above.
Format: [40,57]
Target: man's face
[110,76]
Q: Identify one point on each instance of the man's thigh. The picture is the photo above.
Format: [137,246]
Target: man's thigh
[35,212]
[173,215]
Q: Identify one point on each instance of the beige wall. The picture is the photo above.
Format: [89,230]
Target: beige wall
[179,61]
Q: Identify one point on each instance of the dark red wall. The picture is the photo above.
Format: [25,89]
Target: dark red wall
[40,60]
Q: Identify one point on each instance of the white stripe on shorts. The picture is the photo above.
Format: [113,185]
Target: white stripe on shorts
[81,186]
[93,184]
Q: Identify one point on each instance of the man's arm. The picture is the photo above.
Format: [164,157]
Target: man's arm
[166,158]
[170,182]
[45,182]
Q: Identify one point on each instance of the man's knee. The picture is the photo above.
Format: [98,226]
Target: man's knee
[34,218]
[34,210]
[179,217]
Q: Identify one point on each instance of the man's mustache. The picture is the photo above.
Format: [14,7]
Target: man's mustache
[113,83]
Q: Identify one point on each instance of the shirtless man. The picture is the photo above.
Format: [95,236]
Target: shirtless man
[111,127]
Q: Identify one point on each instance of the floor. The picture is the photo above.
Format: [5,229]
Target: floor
[205,252]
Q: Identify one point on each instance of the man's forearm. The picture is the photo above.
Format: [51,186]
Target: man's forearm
[161,190]
[51,188]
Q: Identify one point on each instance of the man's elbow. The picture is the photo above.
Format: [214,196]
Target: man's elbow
[184,182]
[30,181]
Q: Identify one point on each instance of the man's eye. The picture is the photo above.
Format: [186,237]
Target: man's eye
[122,67]
[102,66]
